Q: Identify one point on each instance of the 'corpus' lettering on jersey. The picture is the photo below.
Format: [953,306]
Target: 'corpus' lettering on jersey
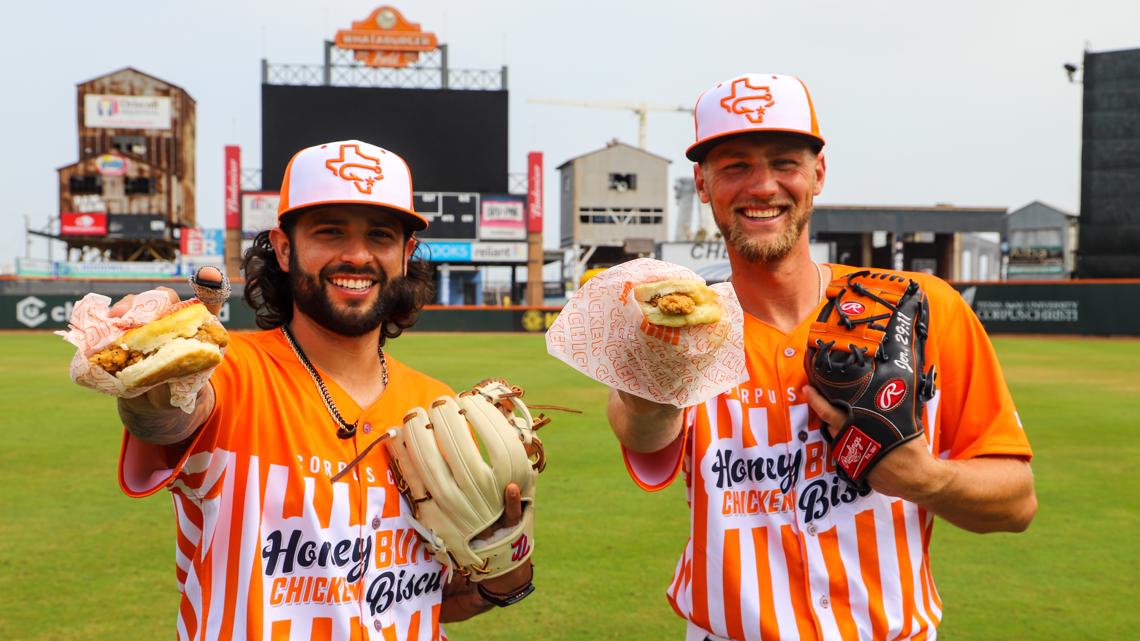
[902,333]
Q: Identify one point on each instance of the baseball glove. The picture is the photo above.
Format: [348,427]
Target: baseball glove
[866,354]
[453,461]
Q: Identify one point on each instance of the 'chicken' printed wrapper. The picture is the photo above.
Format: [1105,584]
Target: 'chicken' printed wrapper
[603,333]
[91,329]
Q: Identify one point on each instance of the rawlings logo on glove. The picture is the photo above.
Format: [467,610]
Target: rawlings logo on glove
[866,353]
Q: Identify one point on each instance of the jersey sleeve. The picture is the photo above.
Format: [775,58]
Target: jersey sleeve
[977,416]
[655,471]
[145,468]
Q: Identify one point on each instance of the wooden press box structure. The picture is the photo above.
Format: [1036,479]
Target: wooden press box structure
[133,184]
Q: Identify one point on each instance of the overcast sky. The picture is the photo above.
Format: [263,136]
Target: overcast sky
[921,103]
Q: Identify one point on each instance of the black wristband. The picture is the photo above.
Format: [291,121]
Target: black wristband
[503,600]
[510,598]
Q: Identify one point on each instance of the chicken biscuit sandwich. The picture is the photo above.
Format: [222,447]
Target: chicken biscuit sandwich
[183,342]
[678,302]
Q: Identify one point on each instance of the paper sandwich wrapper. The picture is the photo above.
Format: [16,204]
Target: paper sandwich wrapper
[91,329]
[602,333]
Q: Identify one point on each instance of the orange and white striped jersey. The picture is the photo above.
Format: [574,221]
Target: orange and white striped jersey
[267,546]
[780,547]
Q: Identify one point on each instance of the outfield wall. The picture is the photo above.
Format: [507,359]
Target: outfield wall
[1100,308]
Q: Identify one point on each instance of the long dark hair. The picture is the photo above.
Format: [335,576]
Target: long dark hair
[268,292]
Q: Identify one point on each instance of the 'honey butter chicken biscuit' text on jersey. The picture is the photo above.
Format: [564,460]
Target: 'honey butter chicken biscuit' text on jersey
[780,546]
[268,547]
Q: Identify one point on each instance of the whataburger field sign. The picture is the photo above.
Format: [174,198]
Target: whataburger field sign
[386,39]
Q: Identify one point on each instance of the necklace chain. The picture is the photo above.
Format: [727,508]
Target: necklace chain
[344,428]
[819,271]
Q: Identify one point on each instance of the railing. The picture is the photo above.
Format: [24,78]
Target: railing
[340,69]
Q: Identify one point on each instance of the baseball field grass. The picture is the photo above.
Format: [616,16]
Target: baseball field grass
[78,560]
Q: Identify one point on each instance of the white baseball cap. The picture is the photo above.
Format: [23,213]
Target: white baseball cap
[348,172]
[753,102]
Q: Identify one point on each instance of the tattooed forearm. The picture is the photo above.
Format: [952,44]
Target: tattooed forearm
[152,419]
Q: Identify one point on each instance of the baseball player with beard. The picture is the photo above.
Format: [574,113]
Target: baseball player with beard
[288,527]
[783,543]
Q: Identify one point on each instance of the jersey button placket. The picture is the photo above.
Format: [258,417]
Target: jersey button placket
[366,428]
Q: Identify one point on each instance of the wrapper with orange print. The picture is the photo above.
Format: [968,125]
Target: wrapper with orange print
[604,333]
[155,342]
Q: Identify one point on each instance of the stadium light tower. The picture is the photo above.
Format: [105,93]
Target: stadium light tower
[640,109]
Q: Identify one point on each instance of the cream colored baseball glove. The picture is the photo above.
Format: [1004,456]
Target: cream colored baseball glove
[453,462]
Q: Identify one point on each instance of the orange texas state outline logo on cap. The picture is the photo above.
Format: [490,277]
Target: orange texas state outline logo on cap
[355,167]
[746,99]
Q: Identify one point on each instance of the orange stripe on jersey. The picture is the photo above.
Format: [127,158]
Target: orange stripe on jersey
[280,630]
[294,504]
[797,583]
[414,627]
[869,570]
[322,503]
[186,615]
[723,419]
[389,632]
[700,600]
[924,578]
[906,571]
[434,622]
[240,476]
[769,626]
[322,629]
[747,436]
[730,579]
[837,580]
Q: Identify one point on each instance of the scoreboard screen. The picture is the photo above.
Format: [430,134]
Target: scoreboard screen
[453,140]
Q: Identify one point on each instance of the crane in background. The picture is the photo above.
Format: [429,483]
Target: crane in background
[640,109]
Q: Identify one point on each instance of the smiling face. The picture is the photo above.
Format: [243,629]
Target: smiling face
[761,188]
[341,260]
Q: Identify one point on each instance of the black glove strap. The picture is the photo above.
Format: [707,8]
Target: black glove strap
[511,598]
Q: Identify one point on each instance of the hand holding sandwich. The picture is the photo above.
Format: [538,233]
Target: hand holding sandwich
[151,417]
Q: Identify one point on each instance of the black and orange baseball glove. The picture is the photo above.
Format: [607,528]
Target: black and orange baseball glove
[866,354]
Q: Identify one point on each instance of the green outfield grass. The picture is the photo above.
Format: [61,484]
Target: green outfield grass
[78,560]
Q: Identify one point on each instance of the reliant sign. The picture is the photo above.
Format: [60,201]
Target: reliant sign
[386,39]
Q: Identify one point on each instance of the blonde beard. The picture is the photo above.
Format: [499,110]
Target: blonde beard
[756,251]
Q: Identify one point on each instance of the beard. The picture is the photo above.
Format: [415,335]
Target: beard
[311,296]
[755,250]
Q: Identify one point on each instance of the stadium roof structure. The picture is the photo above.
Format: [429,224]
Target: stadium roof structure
[945,219]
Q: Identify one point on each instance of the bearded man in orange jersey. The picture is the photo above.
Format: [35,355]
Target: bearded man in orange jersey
[782,547]
[268,545]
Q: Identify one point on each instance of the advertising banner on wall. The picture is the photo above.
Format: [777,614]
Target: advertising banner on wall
[258,212]
[534,192]
[502,218]
[203,243]
[83,224]
[126,112]
[444,251]
[136,226]
[233,187]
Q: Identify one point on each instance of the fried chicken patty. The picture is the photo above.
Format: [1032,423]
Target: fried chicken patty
[115,358]
[674,304]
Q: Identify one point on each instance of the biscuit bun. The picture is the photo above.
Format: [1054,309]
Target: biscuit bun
[183,342]
[678,302]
